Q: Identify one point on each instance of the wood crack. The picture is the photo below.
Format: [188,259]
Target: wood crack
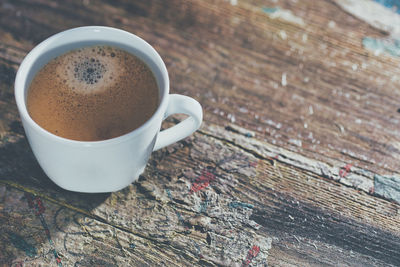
[352,177]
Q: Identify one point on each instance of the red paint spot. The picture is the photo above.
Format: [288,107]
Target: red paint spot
[345,170]
[36,204]
[58,260]
[39,208]
[202,182]
[253,252]
[253,164]
[19,264]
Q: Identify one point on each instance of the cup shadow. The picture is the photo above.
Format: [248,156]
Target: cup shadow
[34,210]
[19,168]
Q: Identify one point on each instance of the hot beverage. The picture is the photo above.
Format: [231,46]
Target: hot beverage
[93,93]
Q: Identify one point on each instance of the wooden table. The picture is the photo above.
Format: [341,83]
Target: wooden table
[296,162]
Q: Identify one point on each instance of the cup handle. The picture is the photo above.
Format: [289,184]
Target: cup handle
[180,104]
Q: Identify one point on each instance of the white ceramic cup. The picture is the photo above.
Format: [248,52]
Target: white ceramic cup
[109,165]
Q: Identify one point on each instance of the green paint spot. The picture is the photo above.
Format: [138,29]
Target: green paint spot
[270,10]
[235,204]
[390,46]
[21,244]
[387,186]
[203,206]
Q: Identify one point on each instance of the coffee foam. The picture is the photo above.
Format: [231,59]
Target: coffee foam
[90,69]
[93,93]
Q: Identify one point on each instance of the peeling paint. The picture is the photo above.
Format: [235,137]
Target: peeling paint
[373,13]
[381,14]
[20,243]
[283,14]
[235,204]
[387,187]
[378,46]
[392,4]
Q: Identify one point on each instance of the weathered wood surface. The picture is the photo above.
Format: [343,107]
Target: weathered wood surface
[295,164]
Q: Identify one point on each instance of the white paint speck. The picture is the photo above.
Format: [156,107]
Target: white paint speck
[304,37]
[284,81]
[286,15]
[358,121]
[306,79]
[296,142]
[243,110]
[341,128]
[272,123]
[354,67]
[233,2]
[364,65]
[283,34]
[332,24]
[305,125]
[231,117]
[310,110]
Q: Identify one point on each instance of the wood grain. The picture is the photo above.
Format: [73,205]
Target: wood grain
[299,119]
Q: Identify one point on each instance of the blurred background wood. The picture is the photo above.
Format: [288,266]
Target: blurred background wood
[295,163]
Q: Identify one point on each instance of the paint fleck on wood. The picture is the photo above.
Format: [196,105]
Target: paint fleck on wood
[389,45]
[235,204]
[283,14]
[343,172]
[387,187]
[253,252]
[202,182]
[20,243]
[373,13]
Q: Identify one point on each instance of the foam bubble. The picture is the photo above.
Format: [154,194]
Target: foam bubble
[89,70]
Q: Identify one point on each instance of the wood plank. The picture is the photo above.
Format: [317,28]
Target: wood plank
[38,232]
[211,192]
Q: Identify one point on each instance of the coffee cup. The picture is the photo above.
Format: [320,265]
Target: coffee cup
[112,164]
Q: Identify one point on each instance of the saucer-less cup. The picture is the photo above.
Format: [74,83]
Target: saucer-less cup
[109,165]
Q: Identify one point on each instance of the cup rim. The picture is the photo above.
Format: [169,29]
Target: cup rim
[38,50]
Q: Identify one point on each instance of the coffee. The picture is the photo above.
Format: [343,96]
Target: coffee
[93,93]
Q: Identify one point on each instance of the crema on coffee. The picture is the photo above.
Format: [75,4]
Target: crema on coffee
[93,93]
